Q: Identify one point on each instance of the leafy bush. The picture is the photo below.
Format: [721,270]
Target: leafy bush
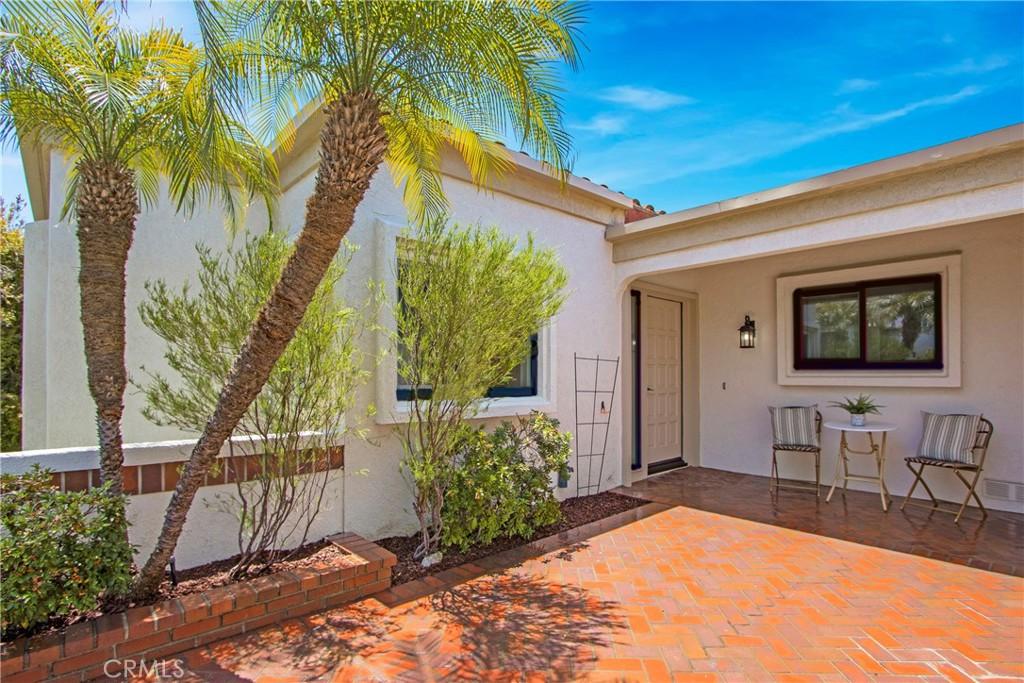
[298,417]
[502,486]
[469,300]
[60,553]
[12,276]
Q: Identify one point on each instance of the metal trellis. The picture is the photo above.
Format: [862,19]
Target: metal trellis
[591,487]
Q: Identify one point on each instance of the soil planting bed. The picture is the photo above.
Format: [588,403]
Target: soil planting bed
[214,574]
[575,512]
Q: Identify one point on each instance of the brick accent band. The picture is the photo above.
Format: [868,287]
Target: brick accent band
[153,632]
[163,476]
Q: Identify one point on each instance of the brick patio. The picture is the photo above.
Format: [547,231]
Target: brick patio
[674,593]
[996,544]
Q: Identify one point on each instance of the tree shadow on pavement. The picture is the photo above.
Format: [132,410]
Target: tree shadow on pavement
[522,624]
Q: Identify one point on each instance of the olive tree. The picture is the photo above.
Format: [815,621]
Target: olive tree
[469,299]
[284,449]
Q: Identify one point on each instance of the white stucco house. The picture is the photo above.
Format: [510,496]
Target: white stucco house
[664,293]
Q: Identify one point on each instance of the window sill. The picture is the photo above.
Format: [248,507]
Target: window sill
[869,378]
[401,411]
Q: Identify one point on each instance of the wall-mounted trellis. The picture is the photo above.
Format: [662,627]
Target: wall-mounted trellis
[592,434]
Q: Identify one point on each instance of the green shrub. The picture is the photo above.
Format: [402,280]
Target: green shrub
[299,414]
[469,299]
[60,553]
[12,291]
[502,486]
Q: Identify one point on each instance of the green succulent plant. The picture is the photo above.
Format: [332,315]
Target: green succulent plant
[862,405]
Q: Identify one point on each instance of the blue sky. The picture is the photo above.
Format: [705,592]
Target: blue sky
[681,104]
[750,96]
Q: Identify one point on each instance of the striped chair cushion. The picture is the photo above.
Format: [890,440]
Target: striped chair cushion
[794,426]
[949,437]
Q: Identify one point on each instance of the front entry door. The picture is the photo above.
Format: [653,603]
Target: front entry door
[662,380]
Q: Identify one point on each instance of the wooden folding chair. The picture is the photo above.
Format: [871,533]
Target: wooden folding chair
[981,441]
[775,483]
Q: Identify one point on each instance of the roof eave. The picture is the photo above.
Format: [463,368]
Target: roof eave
[35,159]
[990,142]
[307,132]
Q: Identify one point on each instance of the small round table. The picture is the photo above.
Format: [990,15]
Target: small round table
[877,449]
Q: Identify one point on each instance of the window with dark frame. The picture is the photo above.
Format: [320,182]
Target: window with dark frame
[523,380]
[892,324]
[522,383]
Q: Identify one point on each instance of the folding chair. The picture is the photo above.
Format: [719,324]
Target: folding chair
[779,444]
[980,449]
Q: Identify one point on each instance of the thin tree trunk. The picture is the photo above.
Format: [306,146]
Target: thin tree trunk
[107,205]
[352,147]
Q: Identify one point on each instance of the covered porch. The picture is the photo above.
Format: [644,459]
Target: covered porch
[953,213]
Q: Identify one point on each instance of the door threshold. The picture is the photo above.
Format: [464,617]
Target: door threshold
[666,465]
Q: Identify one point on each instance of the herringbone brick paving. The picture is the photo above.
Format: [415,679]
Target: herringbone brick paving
[683,595]
[997,543]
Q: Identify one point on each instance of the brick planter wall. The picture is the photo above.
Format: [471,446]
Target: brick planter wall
[165,628]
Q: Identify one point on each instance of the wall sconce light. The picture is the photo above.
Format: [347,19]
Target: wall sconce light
[747,333]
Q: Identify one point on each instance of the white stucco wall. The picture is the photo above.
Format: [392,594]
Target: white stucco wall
[55,374]
[735,431]
[378,503]
[376,499]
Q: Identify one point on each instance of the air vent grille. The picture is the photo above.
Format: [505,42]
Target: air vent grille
[1004,490]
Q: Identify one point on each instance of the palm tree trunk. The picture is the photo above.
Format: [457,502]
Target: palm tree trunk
[107,204]
[352,147]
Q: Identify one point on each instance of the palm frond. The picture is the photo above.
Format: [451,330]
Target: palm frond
[464,73]
[149,102]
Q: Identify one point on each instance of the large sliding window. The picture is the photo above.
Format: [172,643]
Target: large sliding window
[869,325]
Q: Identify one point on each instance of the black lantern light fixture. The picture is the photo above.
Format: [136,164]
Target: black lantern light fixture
[747,333]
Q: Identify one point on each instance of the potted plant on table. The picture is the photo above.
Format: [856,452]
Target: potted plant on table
[858,408]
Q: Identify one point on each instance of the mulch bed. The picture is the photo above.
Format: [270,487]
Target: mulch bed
[215,574]
[575,512]
[199,579]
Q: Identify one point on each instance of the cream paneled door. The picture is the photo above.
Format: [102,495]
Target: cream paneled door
[662,378]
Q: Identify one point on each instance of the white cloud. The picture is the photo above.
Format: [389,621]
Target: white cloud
[604,124]
[852,85]
[746,143]
[642,98]
[970,66]
[863,121]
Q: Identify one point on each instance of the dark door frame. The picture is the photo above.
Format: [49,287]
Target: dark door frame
[637,462]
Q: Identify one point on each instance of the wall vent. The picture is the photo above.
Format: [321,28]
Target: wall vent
[1004,490]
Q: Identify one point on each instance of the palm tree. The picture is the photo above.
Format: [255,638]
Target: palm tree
[396,81]
[128,109]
